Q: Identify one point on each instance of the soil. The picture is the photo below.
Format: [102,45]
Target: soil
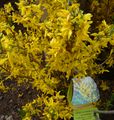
[12,101]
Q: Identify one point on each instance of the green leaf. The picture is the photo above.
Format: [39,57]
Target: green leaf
[70,92]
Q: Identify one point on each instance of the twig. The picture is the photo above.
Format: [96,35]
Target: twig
[104,112]
[5,69]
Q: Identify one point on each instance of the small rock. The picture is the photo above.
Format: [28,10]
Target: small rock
[11,101]
[13,113]
[9,118]
[2,117]
[6,116]
[1,97]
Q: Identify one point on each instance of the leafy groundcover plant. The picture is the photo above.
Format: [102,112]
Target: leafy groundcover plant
[54,44]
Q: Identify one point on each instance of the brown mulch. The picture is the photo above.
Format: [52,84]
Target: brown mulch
[12,101]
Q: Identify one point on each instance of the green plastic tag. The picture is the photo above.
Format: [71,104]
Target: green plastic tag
[84,114]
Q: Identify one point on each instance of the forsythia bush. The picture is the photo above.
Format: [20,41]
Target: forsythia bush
[54,44]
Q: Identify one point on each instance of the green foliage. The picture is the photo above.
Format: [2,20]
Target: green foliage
[109,103]
[56,44]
